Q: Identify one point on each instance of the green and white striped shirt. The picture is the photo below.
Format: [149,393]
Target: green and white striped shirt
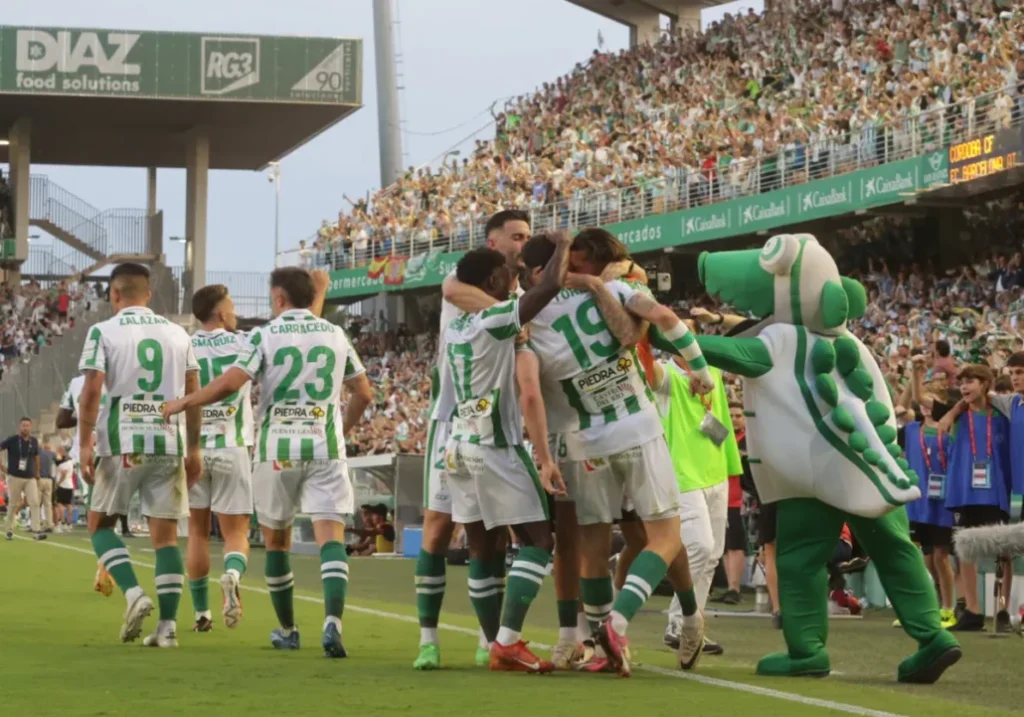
[144,358]
[482,371]
[301,362]
[227,423]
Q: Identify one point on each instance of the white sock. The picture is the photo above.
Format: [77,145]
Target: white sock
[583,632]
[567,635]
[286,631]
[204,613]
[333,619]
[482,642]
[428,636]
[166,626]
[692,620]
[132,594]
[508,637]
[619,622]
[238,575]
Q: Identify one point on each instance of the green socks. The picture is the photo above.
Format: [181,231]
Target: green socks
[485,593]
[200,590]
[430,584]
[334,573]
[237,563]
[170,580]
[113,556]
[597,599]
[644,575]
[524,581]
[281,584]
[688,601]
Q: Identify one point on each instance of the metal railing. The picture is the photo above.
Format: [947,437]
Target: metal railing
[28,389]
[43,261]
[111,231]
[683,188]
[249,290]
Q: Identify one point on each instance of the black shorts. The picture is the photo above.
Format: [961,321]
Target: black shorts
[735,533]
[976,516]
[766,524]
[65,496]
[931,536]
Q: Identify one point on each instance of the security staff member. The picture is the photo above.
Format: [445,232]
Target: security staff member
[23,469]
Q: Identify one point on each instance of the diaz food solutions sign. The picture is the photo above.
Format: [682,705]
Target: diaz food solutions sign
[121,63]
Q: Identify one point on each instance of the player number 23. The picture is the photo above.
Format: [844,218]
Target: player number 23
[292,357]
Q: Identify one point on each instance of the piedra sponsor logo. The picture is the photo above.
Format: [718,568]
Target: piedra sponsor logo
[708,223]
[646,233]
[229,64]
[816,199]
[603,374]
[141,409]
[218,413]
[763,212]
[76,62]
[879,185]
[297,413]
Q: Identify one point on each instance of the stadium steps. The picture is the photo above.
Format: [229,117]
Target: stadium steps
[94,237]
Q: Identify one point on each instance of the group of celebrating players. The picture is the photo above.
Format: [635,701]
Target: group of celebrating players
[537,333]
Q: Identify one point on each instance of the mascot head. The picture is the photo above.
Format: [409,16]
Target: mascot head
[791,278]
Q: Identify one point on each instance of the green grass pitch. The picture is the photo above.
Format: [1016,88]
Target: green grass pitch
[61,656]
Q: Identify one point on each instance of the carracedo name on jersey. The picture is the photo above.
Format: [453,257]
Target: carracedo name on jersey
[303,327]
[312,412]
[215,414]
[601,376]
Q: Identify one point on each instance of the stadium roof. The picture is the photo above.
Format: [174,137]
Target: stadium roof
[134,99]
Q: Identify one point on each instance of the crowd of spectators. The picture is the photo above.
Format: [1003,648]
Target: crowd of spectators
[813,86]
[32,317]
[974,313]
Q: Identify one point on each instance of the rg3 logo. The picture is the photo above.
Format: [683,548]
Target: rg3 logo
[624,364]
[594,464]
[317,412]
[482,405]
[282,465]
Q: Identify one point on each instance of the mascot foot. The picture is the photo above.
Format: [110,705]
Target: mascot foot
[780,664]
[926,665]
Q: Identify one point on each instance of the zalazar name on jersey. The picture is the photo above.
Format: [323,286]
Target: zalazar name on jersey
[227,423]
[594,390]
[301,363]
[482,372]
[144,358]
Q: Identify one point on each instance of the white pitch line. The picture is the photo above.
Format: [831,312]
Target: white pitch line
[703,679]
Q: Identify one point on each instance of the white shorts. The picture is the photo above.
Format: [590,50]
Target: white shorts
[320,489]
[159,481]
[226,483]
[436,495]
[498,486]
[642,478]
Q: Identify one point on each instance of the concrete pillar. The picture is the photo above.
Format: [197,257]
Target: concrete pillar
[197,170]
[644,24]
[154,223]
[389,118]
[20,154]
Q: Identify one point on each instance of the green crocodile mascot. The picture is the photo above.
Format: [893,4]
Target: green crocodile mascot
[821,436]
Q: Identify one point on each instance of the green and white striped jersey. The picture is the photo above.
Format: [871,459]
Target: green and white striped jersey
[481,366]
[301,362]
[594,388]
[144,358]
[69,401]
[228,423]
